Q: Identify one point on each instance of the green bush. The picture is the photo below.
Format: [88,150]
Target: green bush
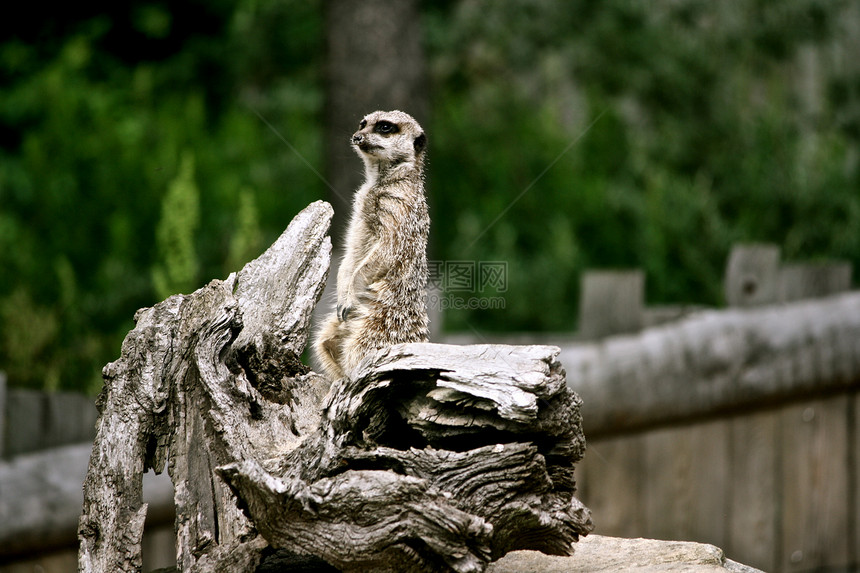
[574,135]
[101,211]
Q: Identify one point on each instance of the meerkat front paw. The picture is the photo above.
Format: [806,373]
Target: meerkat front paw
[343,311]
[347,302]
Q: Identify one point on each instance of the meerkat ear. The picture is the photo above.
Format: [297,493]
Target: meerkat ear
[420,143]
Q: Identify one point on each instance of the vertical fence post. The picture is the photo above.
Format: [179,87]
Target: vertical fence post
[752,275]
[611,302]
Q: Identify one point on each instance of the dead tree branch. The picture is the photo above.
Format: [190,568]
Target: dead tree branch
[433,458]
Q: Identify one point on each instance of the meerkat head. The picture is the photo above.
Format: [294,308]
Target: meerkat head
[390,137]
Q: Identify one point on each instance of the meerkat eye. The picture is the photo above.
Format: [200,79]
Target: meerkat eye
[362,124]
[385,127]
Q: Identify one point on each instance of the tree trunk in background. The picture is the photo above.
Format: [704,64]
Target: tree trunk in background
[375,61]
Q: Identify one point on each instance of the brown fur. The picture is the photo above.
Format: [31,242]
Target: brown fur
[381,296]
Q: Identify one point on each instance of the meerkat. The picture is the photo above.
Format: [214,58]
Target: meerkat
[381,283]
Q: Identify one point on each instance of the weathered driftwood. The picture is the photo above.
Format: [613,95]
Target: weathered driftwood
[190,391]
[431,457]
[434,457]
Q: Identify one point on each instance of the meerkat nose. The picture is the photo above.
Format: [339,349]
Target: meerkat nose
[357,138]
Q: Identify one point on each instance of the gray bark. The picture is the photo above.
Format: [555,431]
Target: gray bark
[434,458]
[191,388]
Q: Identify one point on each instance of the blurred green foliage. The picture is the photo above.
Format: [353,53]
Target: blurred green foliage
[177,266]
[99,194]
[564,136]
[673,129]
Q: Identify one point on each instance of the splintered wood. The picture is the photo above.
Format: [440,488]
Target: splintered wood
[428,458]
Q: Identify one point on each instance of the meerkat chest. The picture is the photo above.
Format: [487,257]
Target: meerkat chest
[364,199]
[378,206]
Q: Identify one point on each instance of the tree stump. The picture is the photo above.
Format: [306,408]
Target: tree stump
[431,458]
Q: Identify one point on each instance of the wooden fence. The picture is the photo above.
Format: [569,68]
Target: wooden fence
[776,488]
[736,427]
[45,441]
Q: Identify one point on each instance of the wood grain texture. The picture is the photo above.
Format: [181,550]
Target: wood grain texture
[485,435]
[716,362]
[815,528]
[184,395]
[753,516]
[429,458]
